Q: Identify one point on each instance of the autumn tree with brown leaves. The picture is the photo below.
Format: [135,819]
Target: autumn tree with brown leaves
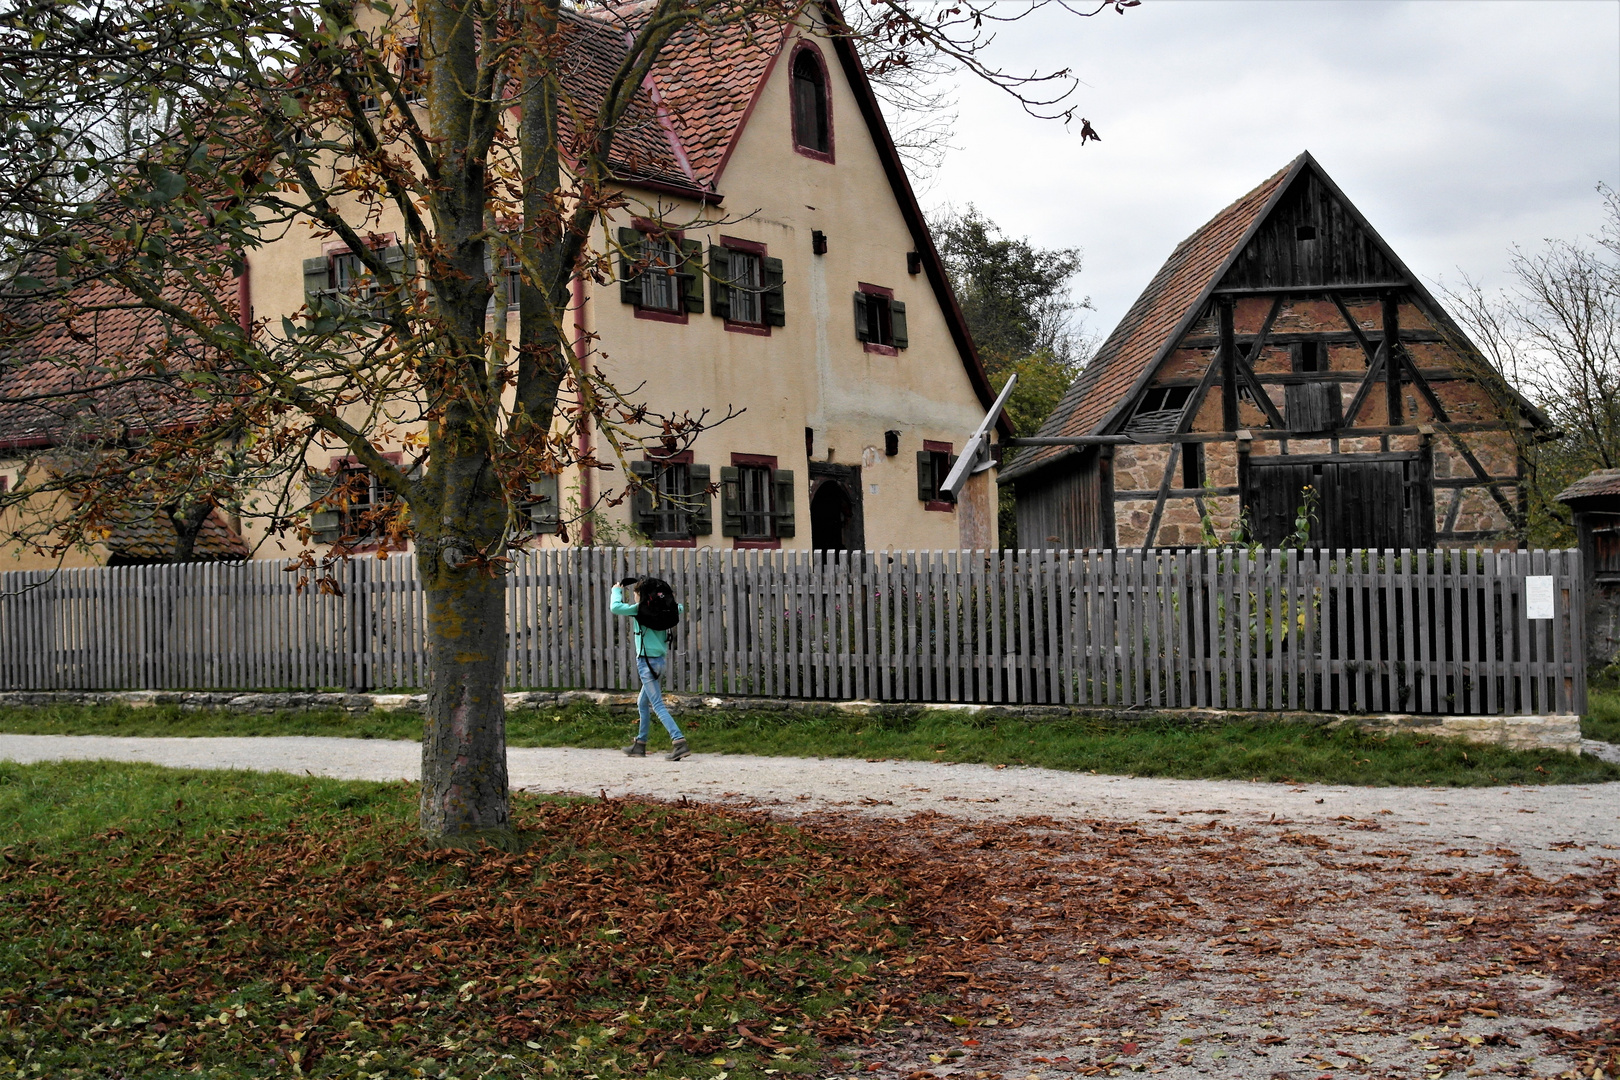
[464,126]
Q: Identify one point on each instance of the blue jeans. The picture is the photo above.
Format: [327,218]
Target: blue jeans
[651,669]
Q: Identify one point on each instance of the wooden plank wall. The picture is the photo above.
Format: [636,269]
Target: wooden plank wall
[1360,631]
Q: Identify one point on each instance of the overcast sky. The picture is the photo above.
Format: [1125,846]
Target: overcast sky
[1459,127]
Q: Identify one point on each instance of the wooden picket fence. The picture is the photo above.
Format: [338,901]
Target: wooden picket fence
[1363,631]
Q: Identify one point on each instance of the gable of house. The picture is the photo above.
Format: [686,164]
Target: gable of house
[1253,368]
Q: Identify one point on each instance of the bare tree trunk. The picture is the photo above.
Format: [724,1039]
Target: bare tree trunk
[188,524]
[464,780]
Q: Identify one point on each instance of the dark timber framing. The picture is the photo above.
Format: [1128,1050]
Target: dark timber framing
[1299,298]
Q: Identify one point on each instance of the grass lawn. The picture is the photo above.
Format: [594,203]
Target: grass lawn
[1238,751]
[1602,719]
[160,923]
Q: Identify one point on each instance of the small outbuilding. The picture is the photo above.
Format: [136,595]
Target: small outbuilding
[1282,346]
[1595,502]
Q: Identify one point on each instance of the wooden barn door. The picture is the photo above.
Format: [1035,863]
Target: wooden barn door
[1363,501]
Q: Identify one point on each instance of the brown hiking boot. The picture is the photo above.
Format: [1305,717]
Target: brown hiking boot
[678,751]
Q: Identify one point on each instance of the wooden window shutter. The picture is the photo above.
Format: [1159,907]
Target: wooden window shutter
[317,283]
[629,275]
[702,516]
[326,524]
[782,480]
[897,316]
[730,501]
[775,301]
[926,491]
[720,281]
[641,500]
[394,258]
[545,514]
[863,322]
[692,274]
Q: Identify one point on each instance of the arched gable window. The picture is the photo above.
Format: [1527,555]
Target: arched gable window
[812,111]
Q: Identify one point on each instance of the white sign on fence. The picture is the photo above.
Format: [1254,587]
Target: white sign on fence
[1538,597]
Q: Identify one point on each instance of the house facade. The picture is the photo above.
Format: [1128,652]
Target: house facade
[1282,360]
[772,260]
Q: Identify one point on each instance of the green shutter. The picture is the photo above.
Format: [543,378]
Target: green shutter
[861,320]
[897,315]
[950,463]
[629,276]
[692,274]
[775,303]
[720,281]
[317,281]
[783,510]
[641,499]
[730,502]
[326,526]
[926,491]
[545,514]
[702,516]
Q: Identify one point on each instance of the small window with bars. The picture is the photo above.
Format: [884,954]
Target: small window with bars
[413,75]
[660,280]
[744,289]
[754,502]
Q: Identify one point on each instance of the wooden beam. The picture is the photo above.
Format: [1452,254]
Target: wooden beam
[1173,458]
[1374,369]
[1316,290]
[1355,330]
[1262,435]
[1392,367]
[1262,399]
[1330,337]
[1228,360]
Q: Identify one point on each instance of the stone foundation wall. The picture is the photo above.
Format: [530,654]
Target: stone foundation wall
[1556,732]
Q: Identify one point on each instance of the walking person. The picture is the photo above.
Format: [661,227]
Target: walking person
[652,648]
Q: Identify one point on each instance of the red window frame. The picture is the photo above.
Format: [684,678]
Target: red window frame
[888,294]
[648,227]
[680,457]
[749,247]
[944,506]
[767,461]
[348,462]
[826,99]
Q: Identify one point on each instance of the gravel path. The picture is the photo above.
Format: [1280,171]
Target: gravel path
[1539,822]
[1253,931]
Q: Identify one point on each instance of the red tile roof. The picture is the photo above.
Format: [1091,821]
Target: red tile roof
[692,106]
[146,534]
[87,367]
[1149,327]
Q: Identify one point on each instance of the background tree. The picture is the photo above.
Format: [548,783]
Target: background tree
[1024,319]
[487,149]
[1554,331]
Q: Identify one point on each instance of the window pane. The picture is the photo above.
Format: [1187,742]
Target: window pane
[347,270]
[745,285]
[671,485]
[660,285]
[754,501]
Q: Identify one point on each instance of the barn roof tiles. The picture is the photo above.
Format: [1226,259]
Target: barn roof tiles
[1602,482]
[1152,321]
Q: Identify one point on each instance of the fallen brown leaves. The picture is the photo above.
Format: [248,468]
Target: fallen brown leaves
[671,924]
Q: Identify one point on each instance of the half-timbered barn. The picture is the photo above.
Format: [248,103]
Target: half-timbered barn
[1283,346]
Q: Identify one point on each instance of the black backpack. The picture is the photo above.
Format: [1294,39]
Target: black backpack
[657,609]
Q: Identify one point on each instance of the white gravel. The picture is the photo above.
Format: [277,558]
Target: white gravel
[1528,819]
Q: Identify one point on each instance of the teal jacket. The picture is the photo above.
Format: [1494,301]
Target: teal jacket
[648,642]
